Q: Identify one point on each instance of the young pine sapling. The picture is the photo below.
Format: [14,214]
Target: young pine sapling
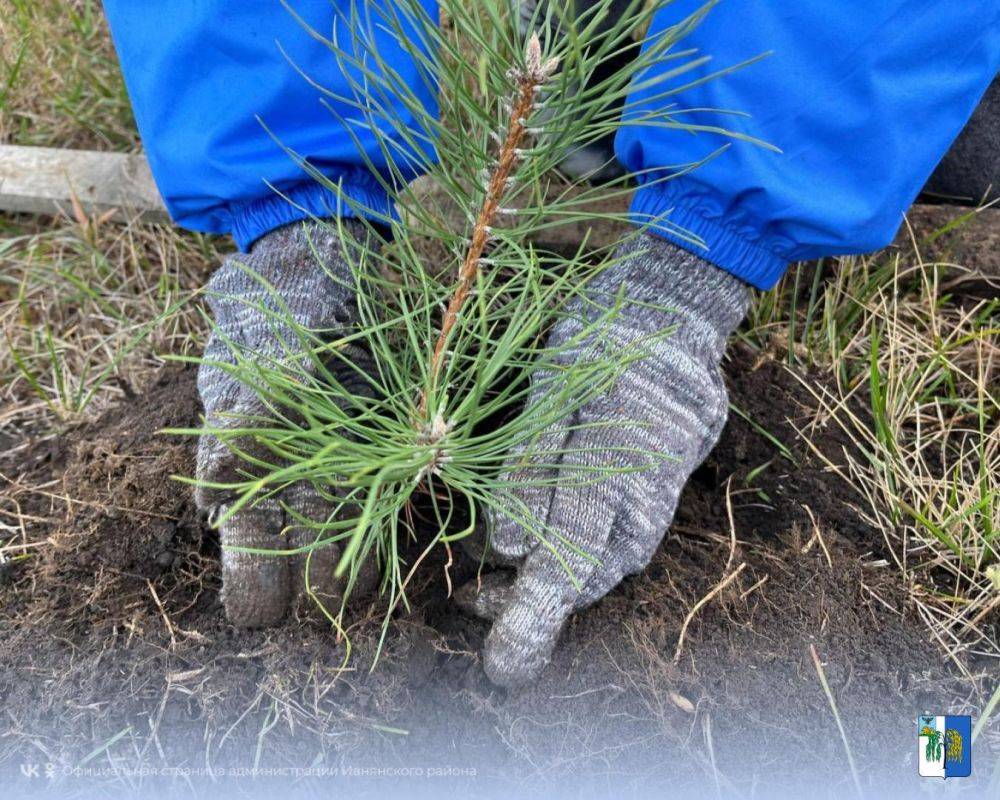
[453,296]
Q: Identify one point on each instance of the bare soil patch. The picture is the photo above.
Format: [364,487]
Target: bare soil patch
[113,628]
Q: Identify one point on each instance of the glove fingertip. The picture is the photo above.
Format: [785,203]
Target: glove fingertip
[486,597]
[254,594]
[521,642]
[509,539]
[512,668]
[255,585]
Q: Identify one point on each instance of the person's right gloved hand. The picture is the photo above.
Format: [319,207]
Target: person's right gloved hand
[656,423]
[305,265]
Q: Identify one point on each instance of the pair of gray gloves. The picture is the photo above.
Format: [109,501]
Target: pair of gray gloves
[678,390]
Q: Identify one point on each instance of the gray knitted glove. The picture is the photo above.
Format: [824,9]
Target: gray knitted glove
[678,390]
[258,590]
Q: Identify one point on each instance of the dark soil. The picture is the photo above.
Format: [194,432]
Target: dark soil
[112,634]
[949,235]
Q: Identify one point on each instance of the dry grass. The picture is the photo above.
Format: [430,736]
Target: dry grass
[85,309]
[84,305]
[59,79]
[909,360]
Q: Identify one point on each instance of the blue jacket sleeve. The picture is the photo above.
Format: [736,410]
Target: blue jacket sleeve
[216,85]
[862,99]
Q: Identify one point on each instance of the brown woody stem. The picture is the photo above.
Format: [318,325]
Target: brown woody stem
[528,83]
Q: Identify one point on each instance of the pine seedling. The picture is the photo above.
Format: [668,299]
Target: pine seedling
[454,298]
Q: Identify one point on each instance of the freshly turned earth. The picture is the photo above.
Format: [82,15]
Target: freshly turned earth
[112,633]
[86,651]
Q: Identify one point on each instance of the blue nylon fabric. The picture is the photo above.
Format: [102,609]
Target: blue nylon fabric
[201,72]
[863,99]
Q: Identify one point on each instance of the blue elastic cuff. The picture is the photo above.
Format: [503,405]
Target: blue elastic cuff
[308,199]
[665,207]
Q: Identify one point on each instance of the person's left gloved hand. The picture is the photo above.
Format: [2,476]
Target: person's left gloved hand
[676,393]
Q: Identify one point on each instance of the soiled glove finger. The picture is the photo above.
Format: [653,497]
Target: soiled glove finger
[256,588]
[304,501]
[535,466]
[365,583]
[259,589]
[477,548]
[325,588]
[488,595]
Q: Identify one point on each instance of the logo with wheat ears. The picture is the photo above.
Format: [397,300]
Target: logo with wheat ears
[945,746]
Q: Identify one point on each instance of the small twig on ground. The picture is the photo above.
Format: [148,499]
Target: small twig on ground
[732,523]
[701,604]
[871,593]
[105,746]
[163,613]
[756,586]
[401,592]
[987,609]
[836,716]
[447,567]
[154,726]
[816,537]
[707,728]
